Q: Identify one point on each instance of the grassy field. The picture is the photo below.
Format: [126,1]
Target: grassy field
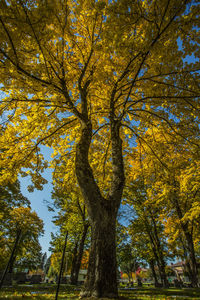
[45,291]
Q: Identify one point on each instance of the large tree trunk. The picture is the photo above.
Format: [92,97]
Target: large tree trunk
[151,263]
[102,270]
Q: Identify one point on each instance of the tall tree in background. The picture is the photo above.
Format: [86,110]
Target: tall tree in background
[145,224]
[170,188]
[83,77]
[127,256]
[23,229]
[72,218]
[10,198]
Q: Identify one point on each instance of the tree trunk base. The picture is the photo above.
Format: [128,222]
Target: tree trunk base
[101,281]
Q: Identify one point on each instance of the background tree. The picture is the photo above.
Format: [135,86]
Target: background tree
[47,265]
[72,216]
[24,228]
[86,75]
[10,197]
[29,256]
[163,170]
[145,228]
[149,241]
[43,261]
[57,243]
[128,261]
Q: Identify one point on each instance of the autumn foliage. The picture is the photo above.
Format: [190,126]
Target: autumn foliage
[90,79]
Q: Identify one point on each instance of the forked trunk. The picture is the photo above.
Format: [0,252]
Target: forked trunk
[102,269]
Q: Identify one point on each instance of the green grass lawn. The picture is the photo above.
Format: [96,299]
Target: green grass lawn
[38,291]
[160,293]
[47,291]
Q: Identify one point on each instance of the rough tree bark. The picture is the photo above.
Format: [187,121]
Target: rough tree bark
[151,264]
[102,270]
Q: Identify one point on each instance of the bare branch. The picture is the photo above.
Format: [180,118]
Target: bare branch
[106,124]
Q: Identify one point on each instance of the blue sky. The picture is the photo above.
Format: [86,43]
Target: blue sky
[37,202]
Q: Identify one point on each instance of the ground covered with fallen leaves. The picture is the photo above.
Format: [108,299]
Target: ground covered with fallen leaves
[47,291]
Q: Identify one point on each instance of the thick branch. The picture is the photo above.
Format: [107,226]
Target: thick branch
[84,173]
[118,178]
